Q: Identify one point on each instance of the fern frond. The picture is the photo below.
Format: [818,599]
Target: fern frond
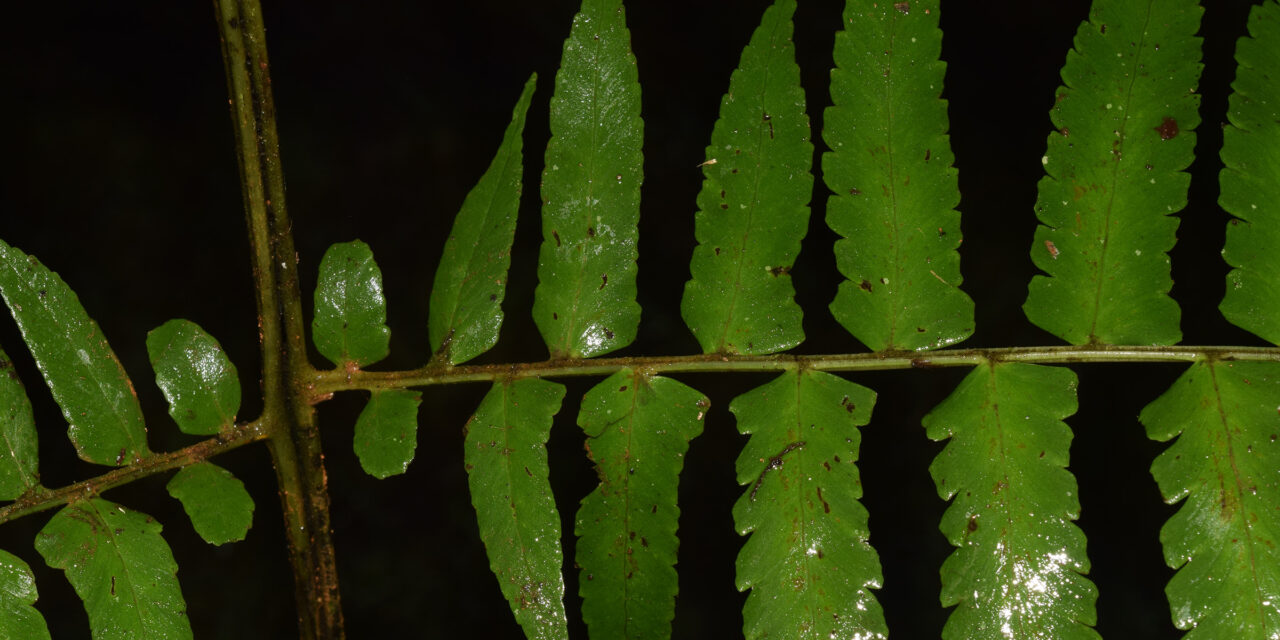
[1125,119]
[1018,571]
[753,207]
[196,377]
[895,187]
[349,327]
[386,433]
[220,508]
[1225,463]
[585,303]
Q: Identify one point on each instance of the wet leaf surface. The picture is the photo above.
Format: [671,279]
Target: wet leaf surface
[200,383]
[386,433]
[216,501]
[19,453]
[18,619]
[350,310]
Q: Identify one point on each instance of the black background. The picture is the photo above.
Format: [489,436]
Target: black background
[119,173]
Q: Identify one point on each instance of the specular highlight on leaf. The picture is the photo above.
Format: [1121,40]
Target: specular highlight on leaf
[808,563]
[1019,567]
[506,461]
[349,327]
[197,378]
[1250,191]
[18,619]
[638,428]
[120,567]
[19,453]
[104,420]
[466,300]
[585,303]
[891,170]
[1223,541]
[1125,124]
[753,208]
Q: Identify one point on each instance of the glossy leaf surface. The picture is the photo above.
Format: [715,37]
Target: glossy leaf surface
[506,461]
[1125,123]
[1250,190]
[807,563]
[349,326]
[19,453]
[466,300]
[18,619]
[585,303]
[895,187]
[200,383]
[1226,465]
[753,208]
[386,433]
[220,508]
[1019,569]
[120,567]
[638,428]
[104,420]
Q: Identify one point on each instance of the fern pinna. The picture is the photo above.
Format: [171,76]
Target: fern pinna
[1115,173]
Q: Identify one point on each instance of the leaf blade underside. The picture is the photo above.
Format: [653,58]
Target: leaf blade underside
[386,432]
[104,419]
[197,378]
[891,169]
[1115,174]
[808,563]
[585,303]
[471,282]
[753,208]
[19,450]
[1019,569]
[1249,189]
[217,503]
[120,567]
[1223,541]
[638,429]
[349,327]
[18,619]
[506,462]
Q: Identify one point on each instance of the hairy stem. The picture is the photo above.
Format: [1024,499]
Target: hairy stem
[327,382]
[292,436]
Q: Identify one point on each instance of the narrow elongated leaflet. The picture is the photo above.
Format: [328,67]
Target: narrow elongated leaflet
[753,209]
[120,567]
[1223,541]
[807,563]
[349,327]
[216,501]
[18,619]
[200,383]
[506,461]
[386,433]
[104,420]
[638,428]
[1250,191]
[585,303]
[19,454]
[891,169]
[1019,568]
[1125,121]
[466,300]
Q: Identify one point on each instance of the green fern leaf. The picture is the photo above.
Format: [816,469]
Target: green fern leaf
[18,619]
[466,301]
[197,379]
[120,567]
[807,563]
[506,461]
[1249,187]
[585,303]
[386,433]
[1223,541]
[220,508]
[349,327]
[19,453]
[638,428]
[1019,569]
[104,420]
[753,209]
[1125,121]
[895,187]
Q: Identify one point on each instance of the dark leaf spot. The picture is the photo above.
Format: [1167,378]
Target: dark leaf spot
[928,153]
[973,524]
[556,235]
[780,271]
[591,232]
[904,7]
[604,279]
[854,192]
[1168,128]
[608,334]
[865,286]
